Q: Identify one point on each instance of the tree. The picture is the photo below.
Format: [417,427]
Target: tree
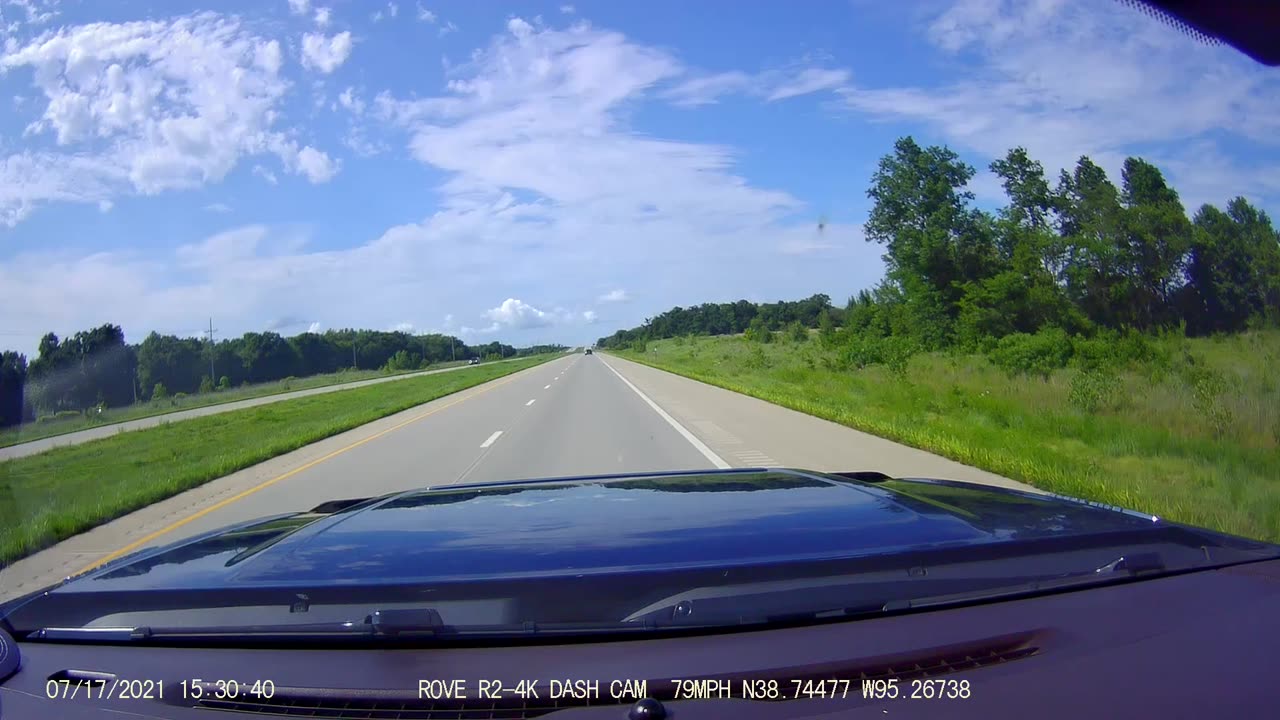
[1232,269]
[206,384]
[266,356]
[1156,237]
[1090,225]
[934,241]
[159,392]
[13,379]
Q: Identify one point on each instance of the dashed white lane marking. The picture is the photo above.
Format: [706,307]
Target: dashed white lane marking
[546,387]
[492,439]
[698,445]
[531,402]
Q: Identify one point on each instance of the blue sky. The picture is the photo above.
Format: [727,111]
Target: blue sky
[544,171]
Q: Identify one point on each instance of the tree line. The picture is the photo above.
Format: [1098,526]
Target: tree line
[1084,257]
[727,319]
[98,368]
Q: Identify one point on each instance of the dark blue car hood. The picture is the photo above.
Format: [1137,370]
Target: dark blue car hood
[596,525]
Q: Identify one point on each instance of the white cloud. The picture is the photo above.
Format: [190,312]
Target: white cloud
[322,16]
[265,174]
[315,327]
[218,207]
[447,28]
[589,316]
[105,206]
[567,9]
[425,15]
[325,54]
[393,9]
[809,80]
[615,296]
[404,327]
[299,7]
[140,107]
[513,313]
[317,166]
[1066,79]
[349,100]
[771,85]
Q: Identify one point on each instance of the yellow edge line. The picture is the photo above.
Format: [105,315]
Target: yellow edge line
[268,483]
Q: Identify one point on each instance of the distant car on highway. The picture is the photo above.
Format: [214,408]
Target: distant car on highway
[474,361]
[716,594]
[587,351]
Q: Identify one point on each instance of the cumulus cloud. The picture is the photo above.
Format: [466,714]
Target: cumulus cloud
[589,316]
[513,313]
[140,107]
[325,54]
[316,165]
[315,327]
[615,296]
[322,16]
[425,15]
[299,7]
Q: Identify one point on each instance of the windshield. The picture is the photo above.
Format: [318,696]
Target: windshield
[654,317]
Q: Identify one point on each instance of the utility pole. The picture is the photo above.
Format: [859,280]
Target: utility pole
[453,350]
[213,380]
[354,366]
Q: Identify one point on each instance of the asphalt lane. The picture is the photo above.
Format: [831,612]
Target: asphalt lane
[574,415]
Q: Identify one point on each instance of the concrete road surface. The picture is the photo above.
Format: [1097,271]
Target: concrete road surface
[75,438]
[571,416]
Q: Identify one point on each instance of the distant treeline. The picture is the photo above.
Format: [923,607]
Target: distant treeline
[1083,257]
[97,367]
[726,319]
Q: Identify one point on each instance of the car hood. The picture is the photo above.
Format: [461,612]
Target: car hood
[578,526]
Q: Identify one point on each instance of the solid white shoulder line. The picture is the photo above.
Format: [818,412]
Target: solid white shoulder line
[693,440]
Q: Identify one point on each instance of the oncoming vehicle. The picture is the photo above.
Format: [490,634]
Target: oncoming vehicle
[722,594]
[474,361]
[587,351]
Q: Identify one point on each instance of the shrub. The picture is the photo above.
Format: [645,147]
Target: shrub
[1038,354]
[896,351]
[758,332]
[826,328]
[797,332]
[756,359]
[862,350]
[639,346]
[1093,390]
[224,383]
[159,392]
[206,384]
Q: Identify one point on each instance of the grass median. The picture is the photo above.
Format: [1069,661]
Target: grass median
[1162,442]
[51,496]
[52,427]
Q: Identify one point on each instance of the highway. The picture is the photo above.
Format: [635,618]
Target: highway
[576,415]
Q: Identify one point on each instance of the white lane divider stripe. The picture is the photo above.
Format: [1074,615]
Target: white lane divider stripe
[531,402]
[698,445]
[492,438]
[546,387]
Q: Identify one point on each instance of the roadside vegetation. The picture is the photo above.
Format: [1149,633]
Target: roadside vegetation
[1187,429]
[67,421]
[51,496]
[95,375]
[1086,338]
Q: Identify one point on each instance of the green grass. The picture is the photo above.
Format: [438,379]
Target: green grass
[1152,445]
[53,495]
[51,427]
